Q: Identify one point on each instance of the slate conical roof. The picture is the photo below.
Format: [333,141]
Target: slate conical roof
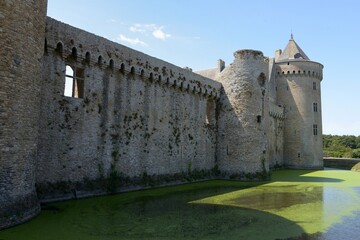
[292,51]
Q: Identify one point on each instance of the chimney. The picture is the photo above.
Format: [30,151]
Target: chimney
[220,65]
[277,54]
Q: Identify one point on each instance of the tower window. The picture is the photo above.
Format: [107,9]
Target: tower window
[315,106]
[74,82]
[314,85]
[258,118]
[210,112]
[315,129]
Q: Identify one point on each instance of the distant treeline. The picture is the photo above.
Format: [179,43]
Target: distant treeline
[341,146]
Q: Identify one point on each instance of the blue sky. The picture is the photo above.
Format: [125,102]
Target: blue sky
[195,33]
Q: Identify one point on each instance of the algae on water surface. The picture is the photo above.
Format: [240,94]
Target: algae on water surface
[294,203]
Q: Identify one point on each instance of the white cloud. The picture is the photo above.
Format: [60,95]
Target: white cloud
[156,31]
[132,41]
[138,28]
[160,34]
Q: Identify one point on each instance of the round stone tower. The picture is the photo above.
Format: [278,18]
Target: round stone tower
[22,29]
[298,83]
[241,138]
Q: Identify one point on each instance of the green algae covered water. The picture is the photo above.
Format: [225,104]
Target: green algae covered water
[294,205]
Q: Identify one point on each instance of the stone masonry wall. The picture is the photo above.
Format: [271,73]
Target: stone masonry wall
[274,131]
[298,91]
[243,115]
[22,25]
[139,117]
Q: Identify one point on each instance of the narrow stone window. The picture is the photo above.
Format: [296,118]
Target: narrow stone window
[100,60]
[261,79]
[210,112]
[315,107]
[314,85]
[74,52]
[59,48]
[87,57]
[111,64]
[258,118]
[74,82]
[122,68]
[299,155]
[315,129]
[45,46]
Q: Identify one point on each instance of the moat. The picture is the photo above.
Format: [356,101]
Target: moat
[294,205]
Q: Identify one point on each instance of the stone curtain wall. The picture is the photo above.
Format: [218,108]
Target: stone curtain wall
[140,117]
[22,25]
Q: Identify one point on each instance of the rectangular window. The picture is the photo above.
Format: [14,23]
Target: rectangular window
[315,107]
[258,118]
[210,113]
[314,85]
[74,82]
[315,129]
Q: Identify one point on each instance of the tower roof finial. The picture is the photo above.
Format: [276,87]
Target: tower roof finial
[292,37]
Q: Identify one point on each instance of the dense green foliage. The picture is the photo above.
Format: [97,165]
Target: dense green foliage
[347,146]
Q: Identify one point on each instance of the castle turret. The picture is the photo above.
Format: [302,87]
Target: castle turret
[22,28]
[241,141]
[298,83]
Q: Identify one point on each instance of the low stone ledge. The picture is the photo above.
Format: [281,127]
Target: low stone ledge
[341,163]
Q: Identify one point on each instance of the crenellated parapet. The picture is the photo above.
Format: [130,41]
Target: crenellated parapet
[298,85]
[86,48]
[300,68]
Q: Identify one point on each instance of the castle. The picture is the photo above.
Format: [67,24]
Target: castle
[81,115]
